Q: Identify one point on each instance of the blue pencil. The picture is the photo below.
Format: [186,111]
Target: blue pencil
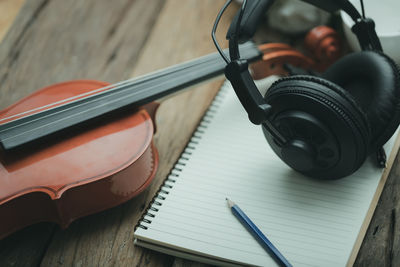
[261,238]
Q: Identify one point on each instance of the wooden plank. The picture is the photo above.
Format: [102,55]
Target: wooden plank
[182,32]
[381,245]
[27,240]
[56,40]
[8,11]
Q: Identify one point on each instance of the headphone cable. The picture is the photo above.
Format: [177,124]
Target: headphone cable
[214,29]
[362,8]
[234,51]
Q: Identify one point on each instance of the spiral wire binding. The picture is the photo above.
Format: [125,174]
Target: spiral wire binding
[190,147]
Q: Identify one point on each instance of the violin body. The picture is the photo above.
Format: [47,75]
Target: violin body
[95,168]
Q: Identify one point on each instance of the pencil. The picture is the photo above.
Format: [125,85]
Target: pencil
[261,238]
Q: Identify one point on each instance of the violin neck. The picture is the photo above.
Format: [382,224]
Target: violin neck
[135,92]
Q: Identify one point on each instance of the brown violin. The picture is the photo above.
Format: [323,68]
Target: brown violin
[80,147]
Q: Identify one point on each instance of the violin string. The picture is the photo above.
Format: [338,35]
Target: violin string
[115,86]
[184,73]
[111,87]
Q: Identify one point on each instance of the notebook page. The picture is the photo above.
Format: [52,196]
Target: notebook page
[311,222]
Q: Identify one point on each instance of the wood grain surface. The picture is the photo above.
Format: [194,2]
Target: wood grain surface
[8,10]
[55,40]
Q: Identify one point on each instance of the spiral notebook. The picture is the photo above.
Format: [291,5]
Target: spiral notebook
[311,222]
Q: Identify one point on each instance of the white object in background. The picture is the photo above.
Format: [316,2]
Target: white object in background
[294,16]
[385,13]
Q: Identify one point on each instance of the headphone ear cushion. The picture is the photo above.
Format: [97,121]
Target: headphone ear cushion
[334,108]
[373,80]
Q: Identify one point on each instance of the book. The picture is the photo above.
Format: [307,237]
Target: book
[311,222]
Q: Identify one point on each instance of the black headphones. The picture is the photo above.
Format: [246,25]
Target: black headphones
[324,127]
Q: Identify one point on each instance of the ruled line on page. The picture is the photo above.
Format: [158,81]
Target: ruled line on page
[238,180]
[300,259]
[219,227]
[243,243]
[280,211]
[281,224]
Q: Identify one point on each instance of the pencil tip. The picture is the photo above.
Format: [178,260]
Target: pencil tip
[230,203]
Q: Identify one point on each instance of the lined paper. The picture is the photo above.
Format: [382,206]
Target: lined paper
[311,222]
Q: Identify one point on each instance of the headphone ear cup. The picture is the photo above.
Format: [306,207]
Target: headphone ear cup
[373,80]
[327,132]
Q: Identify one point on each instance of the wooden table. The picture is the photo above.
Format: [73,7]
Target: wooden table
[57,40]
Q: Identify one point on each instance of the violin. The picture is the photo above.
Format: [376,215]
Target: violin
[322,42]
[79,147]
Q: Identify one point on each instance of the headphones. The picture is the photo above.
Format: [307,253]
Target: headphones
[323,127]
